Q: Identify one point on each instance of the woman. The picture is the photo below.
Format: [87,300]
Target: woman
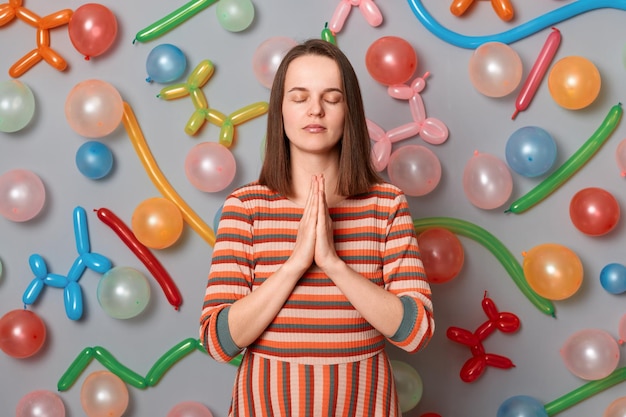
[316,264]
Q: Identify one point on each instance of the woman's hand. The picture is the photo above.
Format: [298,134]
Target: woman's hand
[325,253]
[304,250]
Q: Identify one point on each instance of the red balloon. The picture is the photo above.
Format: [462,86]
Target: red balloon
[442,254]
[92,29]
[22,333]
[594,211]
[391,60]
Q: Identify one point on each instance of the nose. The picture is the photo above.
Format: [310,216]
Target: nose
[316,108]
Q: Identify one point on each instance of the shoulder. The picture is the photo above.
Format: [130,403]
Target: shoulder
[385,193]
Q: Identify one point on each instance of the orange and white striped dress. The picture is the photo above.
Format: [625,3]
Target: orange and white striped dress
[319,357]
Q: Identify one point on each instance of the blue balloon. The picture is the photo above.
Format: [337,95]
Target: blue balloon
[165,63]
[217,217]
[522,406]
[613,278]
[94,160]
[530,151]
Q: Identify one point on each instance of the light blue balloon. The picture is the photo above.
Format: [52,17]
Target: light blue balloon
[522,406]
[94,160]
[613,278]
[216,218]
[530,151]
[165,63]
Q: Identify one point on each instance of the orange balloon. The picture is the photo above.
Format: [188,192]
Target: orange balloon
[574,82]
[157,223]
[553,271]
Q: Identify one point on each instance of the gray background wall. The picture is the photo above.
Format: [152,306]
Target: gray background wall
[48,146]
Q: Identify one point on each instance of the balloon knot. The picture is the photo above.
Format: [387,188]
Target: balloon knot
[87,58]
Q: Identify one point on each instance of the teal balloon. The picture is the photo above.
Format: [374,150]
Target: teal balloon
[123,292]
[165,63]
[94,160]
[613,278]
[522,406]
[235,15]
[17,105]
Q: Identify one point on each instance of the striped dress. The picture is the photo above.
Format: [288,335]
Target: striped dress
[318,357]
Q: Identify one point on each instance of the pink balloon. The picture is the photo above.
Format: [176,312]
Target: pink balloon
[92,29]
[268,57]
[495,69]
[620,156]
[616,409]
[391,60]
[41,403]
[487,181]
[22,195]
[591,354]
[622,329]
[94,108]
[210,166]
[22,333]
[415,169]
[189,409]
[104,394]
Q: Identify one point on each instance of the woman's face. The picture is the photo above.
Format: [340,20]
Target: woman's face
[313,105]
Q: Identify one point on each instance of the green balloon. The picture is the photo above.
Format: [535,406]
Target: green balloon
[17,105]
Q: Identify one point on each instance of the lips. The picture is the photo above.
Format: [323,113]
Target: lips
[314,128]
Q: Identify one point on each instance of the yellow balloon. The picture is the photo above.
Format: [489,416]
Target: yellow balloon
[574,82]
[157,223]
[553,271]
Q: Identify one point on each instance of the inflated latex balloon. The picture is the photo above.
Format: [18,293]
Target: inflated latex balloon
[613,278]
[553,271]
[157,222]
[621,328]
[408,383]
[92,29]
[94,159]
[616,409]
[235,15]
[594,211]
[487,181]
[40,403]
[210,167]
[268,56]
[521,406]
[415,169]
[391,60]
[22,333]
[22,195]
[442,254]
[530,151]
[165,63]
[94,108]
[17,105]
[495,69]
[104,394]
[591,354]
[123,292]
[574,82]
[189,409]
[620,157]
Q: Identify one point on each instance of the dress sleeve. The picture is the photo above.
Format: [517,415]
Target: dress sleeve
[404,276]
[230,278]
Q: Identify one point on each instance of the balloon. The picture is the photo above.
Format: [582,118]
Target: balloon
[40,403]
[92,29]
[574,82]
[487,181]
[169,358]
[143,151]
[571,166]
[553,271]
[143,253]
[442,254]
[189,409]
[620,156]
[17,105]
[216,220]
[495,246]
[381,150]
[537,72]
[521,406]
[503,8]
[210,167]
[22,195]
[235,15]
[157,223]
[616,409]
[590,354]
[172,20]
[268,56]
[530,151]
[94,160]
[165,63]
[415,169]
[328,35]
[613,278]
[123,292]
[22,333]
[104,394]
[594,211]
[495,69]
[93,108]
[391,60]
[408,384]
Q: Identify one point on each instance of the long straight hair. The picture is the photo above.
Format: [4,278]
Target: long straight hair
[356,171]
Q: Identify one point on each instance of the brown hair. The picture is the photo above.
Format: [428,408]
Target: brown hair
[356,172]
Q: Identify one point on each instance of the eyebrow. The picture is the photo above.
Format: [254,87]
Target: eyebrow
[326,90]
